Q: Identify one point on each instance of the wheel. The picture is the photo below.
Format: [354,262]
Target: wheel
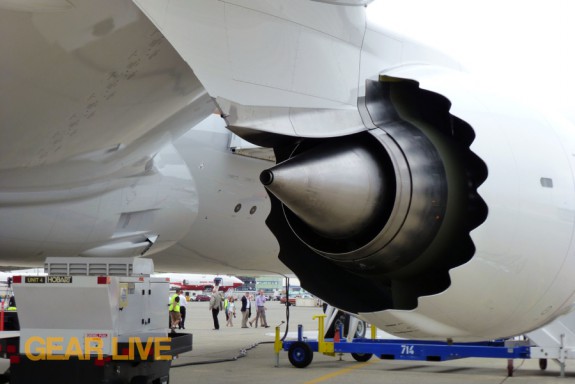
[362,357]
[139,380]
[543,364]
[300,354]
[361,330]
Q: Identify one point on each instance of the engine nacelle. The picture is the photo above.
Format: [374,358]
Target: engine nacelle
[451,216]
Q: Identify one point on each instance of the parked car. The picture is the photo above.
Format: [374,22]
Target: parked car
[294,297]
[202,297]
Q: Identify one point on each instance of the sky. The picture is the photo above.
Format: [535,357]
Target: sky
[524,42]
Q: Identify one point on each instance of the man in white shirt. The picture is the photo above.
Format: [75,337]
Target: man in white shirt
[260,310]
[183,303]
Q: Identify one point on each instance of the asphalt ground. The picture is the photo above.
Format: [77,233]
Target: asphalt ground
[236,355]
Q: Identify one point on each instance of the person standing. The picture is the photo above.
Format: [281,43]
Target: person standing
[183,304]
[226,302]
[245,309]
[231,312]
[171,306]
[175,312]
[215,307]
[260,310]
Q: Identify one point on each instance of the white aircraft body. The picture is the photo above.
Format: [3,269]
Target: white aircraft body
[426,150]
[201,282]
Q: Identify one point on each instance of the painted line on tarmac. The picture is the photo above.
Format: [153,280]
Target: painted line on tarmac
[337,373]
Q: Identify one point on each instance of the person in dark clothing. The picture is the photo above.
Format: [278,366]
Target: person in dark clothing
[246,309]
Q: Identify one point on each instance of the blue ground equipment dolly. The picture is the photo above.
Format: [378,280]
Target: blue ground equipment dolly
[300,351]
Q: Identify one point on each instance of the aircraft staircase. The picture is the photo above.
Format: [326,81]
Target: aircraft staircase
[555,341]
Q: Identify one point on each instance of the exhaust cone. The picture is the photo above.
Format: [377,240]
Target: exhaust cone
[336,190]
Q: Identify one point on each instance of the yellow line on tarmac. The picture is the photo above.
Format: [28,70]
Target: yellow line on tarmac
[337,373]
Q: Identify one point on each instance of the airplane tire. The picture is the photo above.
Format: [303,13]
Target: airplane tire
[362,357]
[139,380]
[343,318]
[361,329]
[300,354]
[543,364]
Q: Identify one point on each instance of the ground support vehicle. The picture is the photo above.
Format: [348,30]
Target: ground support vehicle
[300,351]
[96,320]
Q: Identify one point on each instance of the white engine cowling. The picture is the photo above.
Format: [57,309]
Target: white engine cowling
[468,218]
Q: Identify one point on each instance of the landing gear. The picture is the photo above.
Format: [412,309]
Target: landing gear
[341,318]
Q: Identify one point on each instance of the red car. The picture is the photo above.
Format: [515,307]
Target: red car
[291,299]
[202,297]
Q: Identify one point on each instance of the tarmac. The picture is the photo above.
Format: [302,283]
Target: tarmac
[246,355]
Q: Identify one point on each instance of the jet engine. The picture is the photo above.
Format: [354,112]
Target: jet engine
[449,216]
